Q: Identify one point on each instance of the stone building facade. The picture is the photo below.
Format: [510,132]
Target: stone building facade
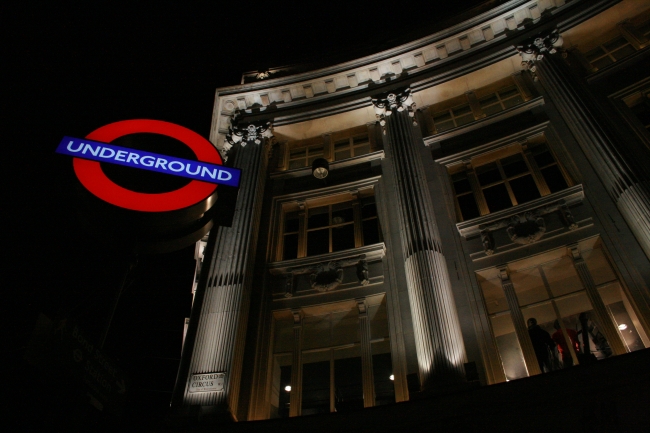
[488,174]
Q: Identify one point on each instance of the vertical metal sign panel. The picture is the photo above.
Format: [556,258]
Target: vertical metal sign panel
[439,341]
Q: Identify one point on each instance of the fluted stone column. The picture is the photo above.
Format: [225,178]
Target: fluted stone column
[438,338]
[616,163]
[527,349]
[366,355]
[605,321]
[216,334]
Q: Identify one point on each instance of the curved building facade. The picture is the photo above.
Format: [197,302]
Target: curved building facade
[403,217]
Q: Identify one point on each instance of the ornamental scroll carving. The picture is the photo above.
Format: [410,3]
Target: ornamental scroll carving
[534,49]
[397,101]
[326,276]
[527,228]
[245,133]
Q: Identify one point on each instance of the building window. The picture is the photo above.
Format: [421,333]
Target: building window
[353,146]
[512,176]
[609,52]
[329,227]
[548,288]
[304,156]
[453,117]
[641,110]
[500,100]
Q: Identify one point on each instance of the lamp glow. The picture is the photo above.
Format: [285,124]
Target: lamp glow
[392,377]
[622,326]
[287,388]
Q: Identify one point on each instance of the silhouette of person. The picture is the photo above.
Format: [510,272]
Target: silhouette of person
[562,346]
[543,344]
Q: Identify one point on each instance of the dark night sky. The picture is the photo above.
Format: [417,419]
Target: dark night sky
[75,67]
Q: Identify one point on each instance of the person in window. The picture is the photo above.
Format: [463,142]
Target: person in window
[594,342]
[562,346]
[543,344]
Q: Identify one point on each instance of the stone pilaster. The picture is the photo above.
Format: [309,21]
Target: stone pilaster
[216,335]
[616,163]
[521,330]
[366,355]
[439,341]
[295,398]
[605,322]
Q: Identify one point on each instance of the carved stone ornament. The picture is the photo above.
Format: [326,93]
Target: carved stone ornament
[526,229]
[388,103]
[488,242]
[567,216]
[245,132]
[535,49]
[326,276]
[362,272]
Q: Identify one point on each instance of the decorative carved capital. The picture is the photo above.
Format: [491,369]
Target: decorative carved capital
[503,273]
[396,101]
[534,49]
[361,305]
[362,272]
[567,216]
[246,132]
[527,228]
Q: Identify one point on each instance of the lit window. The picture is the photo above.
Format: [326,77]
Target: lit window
[304,156]
[500,100]
[507,180]
[331,227]
[609,52]
[452,118]
[353,146]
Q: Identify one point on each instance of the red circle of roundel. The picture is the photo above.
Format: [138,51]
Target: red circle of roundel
[92,177]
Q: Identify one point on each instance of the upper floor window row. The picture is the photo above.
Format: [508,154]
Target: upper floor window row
[631,36]
[506,177]
[336,146]
[477,104]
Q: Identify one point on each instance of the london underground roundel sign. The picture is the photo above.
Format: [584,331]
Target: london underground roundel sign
[206,173]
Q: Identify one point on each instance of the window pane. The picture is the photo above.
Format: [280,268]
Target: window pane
[541,337]
[443,116]
[342,213]
[495,298]
[343,237]
[508,346]
[497,198]
[614,44]
[492,109]
[571,308]
[488,100]
[488,173]
[543,156]
[464,120]
[594,54]
[468,206]
[514,164]
[362,150]
[370,231]
[461,183]
[625,318]
[508,92]
[623,52]
[598,266]
[291,222]
[360,139]
[511,102]
[462,110]
[298,153]
[348,393]
[382,369]
[280,380]
[290,249]
[296,164]
[341,144]
[315,150]
[369,210]
[318,242]
[344,154]
[554,178]
[316,387]
[524,188]
[318,217]
[601,63]
[562,277]
[529,286]
[444,126]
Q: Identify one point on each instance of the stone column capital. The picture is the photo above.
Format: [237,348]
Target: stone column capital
[242,132]
[393,101]
[535,48]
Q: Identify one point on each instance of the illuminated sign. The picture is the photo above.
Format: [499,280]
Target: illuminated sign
[207,382]
[205,173]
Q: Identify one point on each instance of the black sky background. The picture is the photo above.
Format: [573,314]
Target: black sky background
[72,67]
